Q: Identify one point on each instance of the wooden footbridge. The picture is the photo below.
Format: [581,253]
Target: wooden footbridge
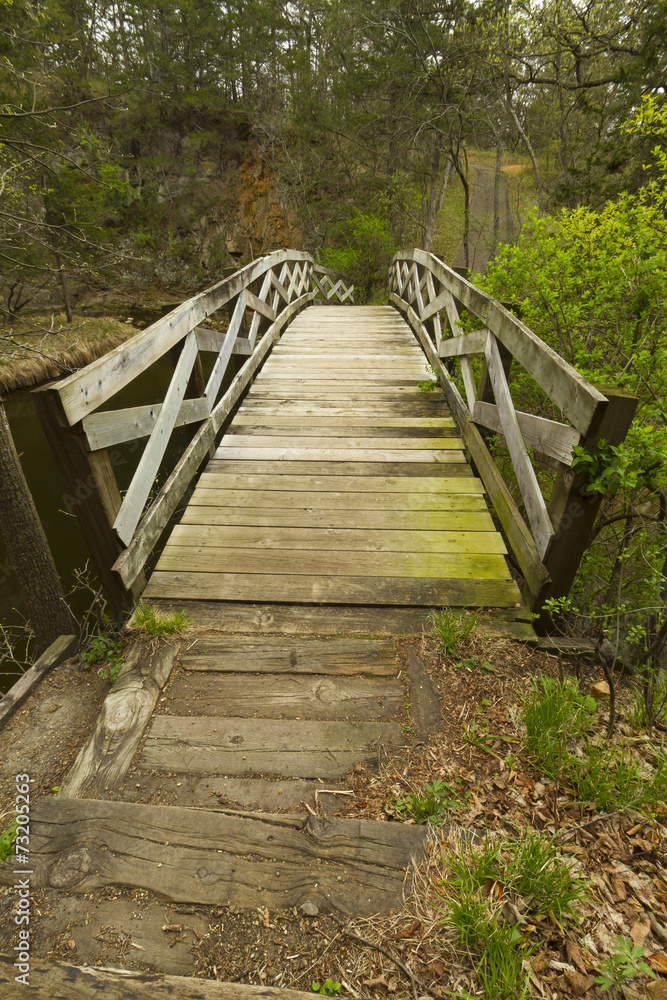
[340,504]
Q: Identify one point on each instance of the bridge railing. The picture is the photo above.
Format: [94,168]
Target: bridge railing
[547,537]
[85,435]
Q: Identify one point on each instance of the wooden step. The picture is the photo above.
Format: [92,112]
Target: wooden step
[253,654]
[281,747]
[269,696]
[354,867]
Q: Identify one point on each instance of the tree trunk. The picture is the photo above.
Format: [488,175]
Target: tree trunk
[27,547]
[531,153]
[64,288]
[497,183]
[436,194]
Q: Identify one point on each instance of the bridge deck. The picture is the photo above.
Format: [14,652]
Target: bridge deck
[339,482]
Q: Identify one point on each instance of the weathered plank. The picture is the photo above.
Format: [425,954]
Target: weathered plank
[209,495]
[132,506]
[52,657]
[356,867]
[278,696]
[325,589]
[301,620]
[279,467]
[111,427]
[354,539]
[286,517]
[216,478]
[536,508]
[290,747]
[546,436]
[324,453]
[105,758]
[251,654]
[53,980]
[334,442]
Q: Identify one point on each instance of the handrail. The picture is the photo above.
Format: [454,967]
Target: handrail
[549,546]
[121,532]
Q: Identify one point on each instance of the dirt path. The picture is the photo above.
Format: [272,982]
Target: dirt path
[481,219]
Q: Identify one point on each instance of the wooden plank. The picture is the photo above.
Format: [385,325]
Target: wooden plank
[294,748]
[137,493]
[214,478]
[333,562]
[291,696]
[430,593]
[105,758]
[52,657]
[297,620]
[355,468]
[225,352]
[331,657]
[536,508]
[52,980]
[212,341]
[336,394]
[355,867]
[369,519]
[207,496]
[231,452]
[111,427]
[320,428]
[355,539]
[245,418]
[579,401]
[259,305]
[546,436]
[469,343]
[334,442]
[129,564]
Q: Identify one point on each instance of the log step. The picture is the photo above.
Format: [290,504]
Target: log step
[258,654]
[270,696]
[354,867]
[281,747]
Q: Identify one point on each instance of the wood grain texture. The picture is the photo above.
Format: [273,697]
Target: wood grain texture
[344,519]
[324,589]
[282,747]
[105,758]
[355,867]
[253,654]
[209,495]
[215,477]
[54,980]
[353,539]
[289,695]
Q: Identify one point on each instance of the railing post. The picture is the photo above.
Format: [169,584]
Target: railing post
[573,508]
[90,490]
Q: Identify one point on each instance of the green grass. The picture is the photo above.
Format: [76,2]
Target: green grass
[452,627]
[150,619]
[433,803]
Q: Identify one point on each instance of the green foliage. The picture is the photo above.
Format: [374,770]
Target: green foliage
[328,987]
[481,878]
[108,651]
[559,721]
[149,618]
[554,715]
[365,255]
[452,627]
[432,804]
[623,964]
[7,841]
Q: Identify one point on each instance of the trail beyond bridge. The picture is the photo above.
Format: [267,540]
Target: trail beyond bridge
[337,500]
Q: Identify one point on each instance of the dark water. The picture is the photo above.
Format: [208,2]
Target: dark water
[62,529]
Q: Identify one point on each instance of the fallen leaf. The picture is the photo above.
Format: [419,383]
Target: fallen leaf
[578,983]
[639,931]
[658,962]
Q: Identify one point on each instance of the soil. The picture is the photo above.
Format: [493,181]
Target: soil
[477,750]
